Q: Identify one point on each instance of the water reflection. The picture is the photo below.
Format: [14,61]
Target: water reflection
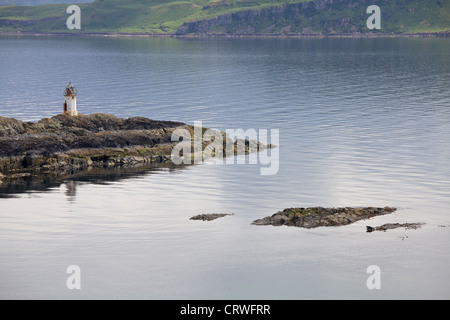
[12,187]
[71,190]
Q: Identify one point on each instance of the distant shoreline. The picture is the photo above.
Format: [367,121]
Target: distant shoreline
[443,34]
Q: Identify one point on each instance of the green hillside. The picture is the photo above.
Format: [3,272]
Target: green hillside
[35,2]
[241,17]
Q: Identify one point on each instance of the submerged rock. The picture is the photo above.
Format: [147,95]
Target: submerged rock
[210,216]
[388,226]
[321,217]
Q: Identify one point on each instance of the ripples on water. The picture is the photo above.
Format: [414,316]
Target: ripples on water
[362,122]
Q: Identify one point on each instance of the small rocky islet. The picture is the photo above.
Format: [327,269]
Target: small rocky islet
[321,217]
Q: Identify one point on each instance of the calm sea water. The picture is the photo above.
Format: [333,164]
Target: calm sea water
[363,122]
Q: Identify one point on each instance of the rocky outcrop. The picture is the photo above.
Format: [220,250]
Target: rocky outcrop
[98,140]
[322,217]
[64,142]
[62,133]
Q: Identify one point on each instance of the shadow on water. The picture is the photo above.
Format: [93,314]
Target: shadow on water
[12,187]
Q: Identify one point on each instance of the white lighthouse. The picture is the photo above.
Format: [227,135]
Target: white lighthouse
[70,100]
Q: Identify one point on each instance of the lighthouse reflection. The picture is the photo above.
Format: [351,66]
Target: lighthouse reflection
[71,190]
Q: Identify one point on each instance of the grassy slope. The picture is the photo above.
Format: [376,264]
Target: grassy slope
[165,16]
[34,2]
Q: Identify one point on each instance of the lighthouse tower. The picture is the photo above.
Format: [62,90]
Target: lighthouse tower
[70,101]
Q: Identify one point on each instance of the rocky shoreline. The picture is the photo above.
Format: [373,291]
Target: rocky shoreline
[355,35]
[64,143]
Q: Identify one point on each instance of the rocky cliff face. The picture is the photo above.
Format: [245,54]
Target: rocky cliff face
[319,17]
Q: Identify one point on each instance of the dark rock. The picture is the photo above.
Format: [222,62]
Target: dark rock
[210,216]
[38,146]
[388,226]
[62,133]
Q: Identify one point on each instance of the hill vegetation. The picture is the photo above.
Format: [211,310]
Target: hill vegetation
[232,17]
[35,2]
